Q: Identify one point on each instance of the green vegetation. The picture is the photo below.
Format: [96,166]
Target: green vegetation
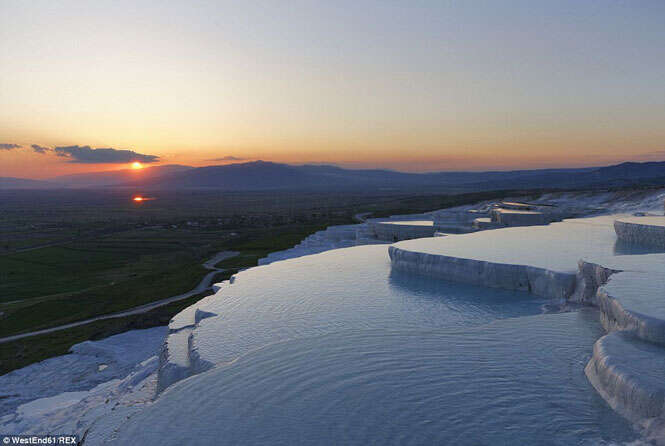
[62,309]
[56,285]
[17,354]
[81,264]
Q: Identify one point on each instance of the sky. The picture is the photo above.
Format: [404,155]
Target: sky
[412,86]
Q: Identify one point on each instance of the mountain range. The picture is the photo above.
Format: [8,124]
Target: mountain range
[262,175]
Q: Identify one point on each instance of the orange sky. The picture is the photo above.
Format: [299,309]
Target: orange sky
[430,86]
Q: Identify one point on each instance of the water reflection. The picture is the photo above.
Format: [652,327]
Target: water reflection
[423,287]
[623,248]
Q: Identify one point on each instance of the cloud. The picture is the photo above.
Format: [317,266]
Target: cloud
[40,149]
[7,146]
[228,158]
[87,155]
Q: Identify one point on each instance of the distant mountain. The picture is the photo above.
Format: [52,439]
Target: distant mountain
[263,175]
[117,177]
[257,175]
[631,171]
[23,183]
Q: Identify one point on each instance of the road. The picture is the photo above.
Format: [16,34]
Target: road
[205,283]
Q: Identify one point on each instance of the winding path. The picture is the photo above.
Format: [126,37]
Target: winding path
[205,283]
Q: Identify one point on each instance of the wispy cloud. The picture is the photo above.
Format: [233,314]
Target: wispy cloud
[88,155]
[8,146]
[228,158]
[40,149]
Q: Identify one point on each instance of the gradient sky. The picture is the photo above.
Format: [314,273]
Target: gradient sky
[419,85]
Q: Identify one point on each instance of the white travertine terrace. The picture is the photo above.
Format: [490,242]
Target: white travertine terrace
[333,237]
[578,260]
[512,217]
[556,248]
[176,360]
[460,219]
[508,213]
[628,373]
[567,260]
[98,378]
[402,230]
[409,223]
[642,230]
[517,206]
[470,218]
[483,223]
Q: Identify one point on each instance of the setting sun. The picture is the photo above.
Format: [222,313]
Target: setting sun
[141,198]
[137,165]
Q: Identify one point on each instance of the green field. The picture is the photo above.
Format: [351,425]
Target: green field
[99,262]
[55,285]
[17,354]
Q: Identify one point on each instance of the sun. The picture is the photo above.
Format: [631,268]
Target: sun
[137,165]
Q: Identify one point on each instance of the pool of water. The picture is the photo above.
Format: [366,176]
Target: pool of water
[408,223]
[516,381]
[557,246]
[344,289]
[335,349]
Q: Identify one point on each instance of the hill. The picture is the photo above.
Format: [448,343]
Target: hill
[116,177]
[23,183]
[263,175]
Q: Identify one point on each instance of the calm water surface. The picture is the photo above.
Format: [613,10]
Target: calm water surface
[357,355]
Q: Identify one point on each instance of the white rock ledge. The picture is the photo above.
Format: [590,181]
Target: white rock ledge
[590,277]
[538,281]
[403,230]
[647,231]
[582,287]
[616,316]
[627,367]
[178,360]
[629,374]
